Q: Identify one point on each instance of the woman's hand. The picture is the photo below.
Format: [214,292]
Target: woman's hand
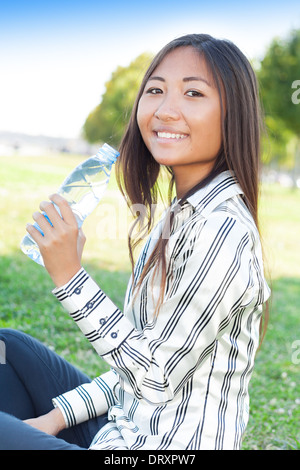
[50,423]
[62,244]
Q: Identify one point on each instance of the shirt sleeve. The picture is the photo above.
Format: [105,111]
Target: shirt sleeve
[88,400]
[212,278]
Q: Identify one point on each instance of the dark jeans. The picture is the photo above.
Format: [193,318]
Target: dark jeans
[30,376]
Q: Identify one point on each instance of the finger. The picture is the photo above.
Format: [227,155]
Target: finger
[64,208]
[52,212]
[35,234]
[43,222]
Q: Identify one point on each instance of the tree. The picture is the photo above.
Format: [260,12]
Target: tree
[279,78]
[107,122]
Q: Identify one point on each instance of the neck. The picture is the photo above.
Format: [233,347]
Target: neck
[188,177]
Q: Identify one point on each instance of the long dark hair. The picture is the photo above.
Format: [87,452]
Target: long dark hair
[137,171]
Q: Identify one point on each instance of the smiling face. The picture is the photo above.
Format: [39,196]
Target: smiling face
[179,117]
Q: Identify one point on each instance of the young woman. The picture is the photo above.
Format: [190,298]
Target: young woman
[182,352]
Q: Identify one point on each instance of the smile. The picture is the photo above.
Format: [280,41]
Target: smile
[168,135]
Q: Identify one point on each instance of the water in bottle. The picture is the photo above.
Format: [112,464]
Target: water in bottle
[83,189]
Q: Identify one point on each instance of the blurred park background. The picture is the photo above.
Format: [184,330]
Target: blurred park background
[46,132]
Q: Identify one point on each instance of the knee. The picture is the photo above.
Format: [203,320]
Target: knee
[4,339]
[6,331]
[11,340]
[10,334]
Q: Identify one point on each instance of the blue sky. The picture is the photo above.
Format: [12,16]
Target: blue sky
[55,56]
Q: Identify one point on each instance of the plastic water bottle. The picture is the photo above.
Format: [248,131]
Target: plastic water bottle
[83,189]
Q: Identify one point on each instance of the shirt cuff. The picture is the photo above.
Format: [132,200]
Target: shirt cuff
[103,324]
[88,400]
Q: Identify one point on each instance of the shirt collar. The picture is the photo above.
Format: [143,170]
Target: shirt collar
[224,186]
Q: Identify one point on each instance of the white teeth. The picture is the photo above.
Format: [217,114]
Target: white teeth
[168,135]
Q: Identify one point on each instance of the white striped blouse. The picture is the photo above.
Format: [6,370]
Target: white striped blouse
[179,380]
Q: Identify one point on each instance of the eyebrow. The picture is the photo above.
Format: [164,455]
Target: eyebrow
[185,79]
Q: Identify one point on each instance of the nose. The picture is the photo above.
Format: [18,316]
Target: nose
[167,111]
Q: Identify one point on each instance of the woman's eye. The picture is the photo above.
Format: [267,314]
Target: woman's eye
[194,93]
[154,91]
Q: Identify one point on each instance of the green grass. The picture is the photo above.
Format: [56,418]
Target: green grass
[26,302]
